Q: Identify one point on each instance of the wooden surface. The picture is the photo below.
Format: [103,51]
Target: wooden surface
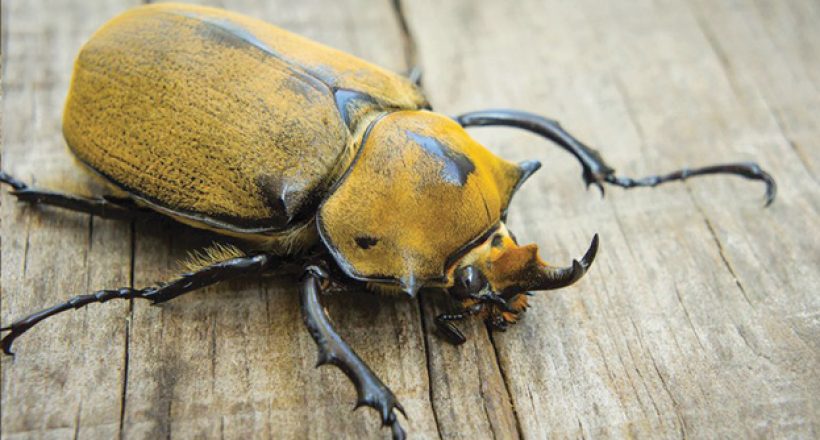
[700,317]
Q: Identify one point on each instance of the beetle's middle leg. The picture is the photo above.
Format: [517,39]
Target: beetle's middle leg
[595,170]
[104,207]
[234,267]
[371,391]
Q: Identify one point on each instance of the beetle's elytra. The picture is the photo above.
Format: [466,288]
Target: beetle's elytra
[309,155]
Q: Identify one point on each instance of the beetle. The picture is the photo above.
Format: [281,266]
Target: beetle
[317,160]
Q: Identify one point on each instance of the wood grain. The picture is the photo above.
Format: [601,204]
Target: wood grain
[699,318]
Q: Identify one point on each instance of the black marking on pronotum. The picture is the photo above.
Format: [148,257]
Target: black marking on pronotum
[348,100]
[366,242]
[456,167]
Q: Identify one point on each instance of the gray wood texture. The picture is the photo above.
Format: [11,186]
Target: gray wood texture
[700,318]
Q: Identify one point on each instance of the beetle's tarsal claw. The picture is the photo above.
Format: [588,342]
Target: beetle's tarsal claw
[597,185]
[771,188]
[370,390]
[16,329]
[8,340]
[596,174]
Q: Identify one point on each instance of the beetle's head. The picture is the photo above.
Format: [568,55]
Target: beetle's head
[495,278]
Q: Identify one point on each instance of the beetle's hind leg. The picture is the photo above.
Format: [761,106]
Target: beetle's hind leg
[595,170]
[104,207]
[371,391]
[235,267]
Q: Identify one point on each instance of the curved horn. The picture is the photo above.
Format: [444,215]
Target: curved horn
[555,278]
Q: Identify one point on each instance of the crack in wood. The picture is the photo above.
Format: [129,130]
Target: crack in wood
[664,385]
[675,404]
[625,369]
[506,382]
[688,318]
[428,357]
[129,318]
[77,420]
[723,257]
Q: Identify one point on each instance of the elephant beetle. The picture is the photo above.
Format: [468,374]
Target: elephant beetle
[314,158]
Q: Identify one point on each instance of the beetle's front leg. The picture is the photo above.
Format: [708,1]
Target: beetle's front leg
[371,391]
[595,170]
[445,321]
[451,333]
[497,311]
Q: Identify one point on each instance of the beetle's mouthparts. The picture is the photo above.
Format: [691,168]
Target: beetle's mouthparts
[551,278]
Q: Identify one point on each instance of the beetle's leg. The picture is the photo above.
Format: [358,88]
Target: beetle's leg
[444,321]
[493,298]
[371,391]
[105,207]
[160,293]
[451,333]
[595,170]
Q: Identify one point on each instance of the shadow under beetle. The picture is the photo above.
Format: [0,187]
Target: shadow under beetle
[313,157]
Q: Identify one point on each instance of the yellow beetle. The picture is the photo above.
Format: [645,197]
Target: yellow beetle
[312,156]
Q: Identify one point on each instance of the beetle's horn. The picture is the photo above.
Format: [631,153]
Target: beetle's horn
[520,269]
[557,277]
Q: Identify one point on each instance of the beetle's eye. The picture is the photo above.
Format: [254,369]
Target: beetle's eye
[468,280]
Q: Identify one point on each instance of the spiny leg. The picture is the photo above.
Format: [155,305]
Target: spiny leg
[370,390]
[451,333]
[444,321]
[104,207]
[595,170]
[188,282]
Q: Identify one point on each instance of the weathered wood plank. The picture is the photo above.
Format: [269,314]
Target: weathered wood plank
[699,318]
